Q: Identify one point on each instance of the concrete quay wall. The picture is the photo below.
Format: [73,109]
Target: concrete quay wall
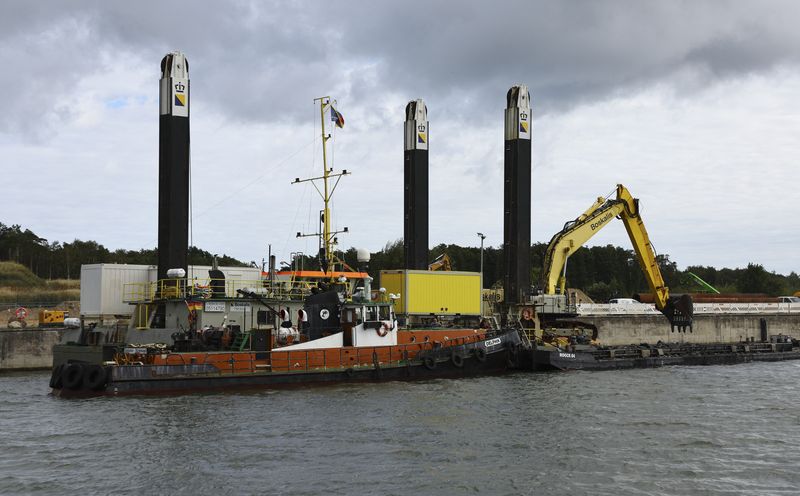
[615,330]
[27,349]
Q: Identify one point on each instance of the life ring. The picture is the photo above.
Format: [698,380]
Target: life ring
[383,330]
[349,373]
[429,362]
[480,354]
[95,378]
[457,359]
[55,378]
[73,376]
[527,314]
[21,313]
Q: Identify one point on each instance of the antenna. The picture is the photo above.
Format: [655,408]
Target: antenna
[327,237]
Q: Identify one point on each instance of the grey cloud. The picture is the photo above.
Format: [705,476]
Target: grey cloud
[259,61]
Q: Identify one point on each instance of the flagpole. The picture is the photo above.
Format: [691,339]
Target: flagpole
[327,242]
[326,236]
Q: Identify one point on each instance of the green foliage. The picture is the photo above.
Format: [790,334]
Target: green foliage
[755,279]
[63,260]
[603,272]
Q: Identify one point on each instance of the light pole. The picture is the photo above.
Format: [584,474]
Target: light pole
[482,236]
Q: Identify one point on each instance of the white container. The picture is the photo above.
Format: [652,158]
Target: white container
[103,285]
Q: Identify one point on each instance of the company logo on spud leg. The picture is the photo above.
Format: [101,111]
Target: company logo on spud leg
[492,342]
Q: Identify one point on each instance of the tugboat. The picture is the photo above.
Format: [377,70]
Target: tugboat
[290,328]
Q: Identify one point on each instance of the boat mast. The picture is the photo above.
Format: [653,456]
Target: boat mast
[326,236]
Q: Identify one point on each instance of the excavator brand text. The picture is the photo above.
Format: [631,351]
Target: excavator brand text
[603,220]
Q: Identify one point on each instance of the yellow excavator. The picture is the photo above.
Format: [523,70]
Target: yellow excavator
[677,309]
[442,262]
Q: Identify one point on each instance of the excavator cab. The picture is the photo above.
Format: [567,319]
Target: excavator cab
[679,310]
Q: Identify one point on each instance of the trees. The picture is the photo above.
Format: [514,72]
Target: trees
[601,271]
[63,260]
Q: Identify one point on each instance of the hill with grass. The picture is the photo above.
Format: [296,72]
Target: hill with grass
[20,286]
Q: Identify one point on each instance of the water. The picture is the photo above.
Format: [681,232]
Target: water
[675,430]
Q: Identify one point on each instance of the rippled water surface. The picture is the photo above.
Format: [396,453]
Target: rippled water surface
[674,430]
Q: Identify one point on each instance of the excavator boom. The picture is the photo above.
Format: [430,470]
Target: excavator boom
[678,310]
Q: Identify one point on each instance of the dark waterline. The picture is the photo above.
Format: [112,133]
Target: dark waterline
[674,430]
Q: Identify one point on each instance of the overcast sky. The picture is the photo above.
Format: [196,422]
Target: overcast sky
[694,106]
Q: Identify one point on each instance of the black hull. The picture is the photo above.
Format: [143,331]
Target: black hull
[473,360]
[543,360]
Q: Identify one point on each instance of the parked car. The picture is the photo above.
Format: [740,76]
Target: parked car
[788,299]
[623,301]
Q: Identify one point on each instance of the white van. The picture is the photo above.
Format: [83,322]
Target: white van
[623,301]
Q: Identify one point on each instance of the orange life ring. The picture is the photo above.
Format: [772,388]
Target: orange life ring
[527,314]
[383,330]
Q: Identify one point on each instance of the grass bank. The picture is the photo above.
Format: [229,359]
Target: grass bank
[21,286]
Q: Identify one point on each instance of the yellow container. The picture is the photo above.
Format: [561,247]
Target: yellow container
[52,316]
[424,292]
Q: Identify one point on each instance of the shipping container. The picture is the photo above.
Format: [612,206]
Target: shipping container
[424,292]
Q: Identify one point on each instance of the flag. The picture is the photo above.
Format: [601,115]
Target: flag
[337,117]
[194,305]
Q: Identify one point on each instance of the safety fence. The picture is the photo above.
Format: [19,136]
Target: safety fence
[699,308]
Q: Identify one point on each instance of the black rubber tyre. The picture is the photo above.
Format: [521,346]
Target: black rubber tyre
[94,379]
[56,380]
[73,376]
[457,359]
[429,362]
[480,354]
[512,358]
[349,373]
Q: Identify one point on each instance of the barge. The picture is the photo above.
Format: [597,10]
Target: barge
[589,357]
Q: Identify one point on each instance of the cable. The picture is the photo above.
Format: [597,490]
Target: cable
[191,224]
[258,178]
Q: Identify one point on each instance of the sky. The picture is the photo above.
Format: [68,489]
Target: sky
[693,105]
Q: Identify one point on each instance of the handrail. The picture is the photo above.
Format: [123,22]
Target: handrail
[206,288]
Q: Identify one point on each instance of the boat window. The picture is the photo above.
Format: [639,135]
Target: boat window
[359,316]
[384,313]
[372,313]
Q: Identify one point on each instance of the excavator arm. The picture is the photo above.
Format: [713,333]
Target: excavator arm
[678,310]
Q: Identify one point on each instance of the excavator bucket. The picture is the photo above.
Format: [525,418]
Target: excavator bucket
[680,312]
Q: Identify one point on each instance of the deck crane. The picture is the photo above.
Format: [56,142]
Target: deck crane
[677,309]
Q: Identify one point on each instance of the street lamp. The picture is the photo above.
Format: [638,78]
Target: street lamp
[482,236]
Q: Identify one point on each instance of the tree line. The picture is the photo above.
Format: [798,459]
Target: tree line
[56,260]
[603,272]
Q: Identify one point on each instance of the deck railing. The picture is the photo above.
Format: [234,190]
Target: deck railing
[181,289]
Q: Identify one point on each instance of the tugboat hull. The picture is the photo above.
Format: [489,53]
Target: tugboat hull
[491,356]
